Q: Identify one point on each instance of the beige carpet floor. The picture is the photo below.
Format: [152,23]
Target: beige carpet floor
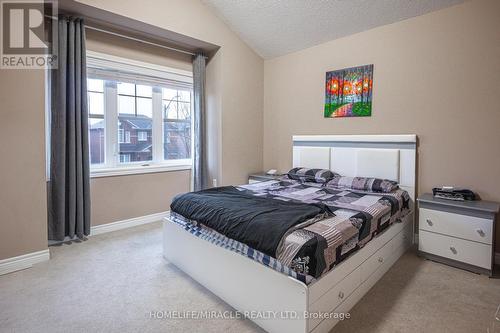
[112,283]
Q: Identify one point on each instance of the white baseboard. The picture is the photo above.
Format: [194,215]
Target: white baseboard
[24,261]
[27,260]
[118,225]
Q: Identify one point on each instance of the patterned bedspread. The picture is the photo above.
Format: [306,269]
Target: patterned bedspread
[310,250]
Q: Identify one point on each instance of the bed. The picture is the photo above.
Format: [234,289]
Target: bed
[313,300]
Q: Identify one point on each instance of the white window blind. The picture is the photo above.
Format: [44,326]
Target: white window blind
[125,70]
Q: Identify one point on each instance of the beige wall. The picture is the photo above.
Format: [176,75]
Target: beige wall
[435,75]
[235,107]
[23,204]
[123,197]
[235,86]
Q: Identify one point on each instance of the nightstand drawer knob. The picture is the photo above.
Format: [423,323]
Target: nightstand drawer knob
[341,295]
[453,250]
[429,222]
[480,232]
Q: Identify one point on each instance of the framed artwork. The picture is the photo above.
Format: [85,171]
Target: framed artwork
[348,92]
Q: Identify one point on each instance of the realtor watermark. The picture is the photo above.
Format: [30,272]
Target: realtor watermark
[252,315]
[28,34]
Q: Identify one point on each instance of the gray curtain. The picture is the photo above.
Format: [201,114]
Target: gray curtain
[69,196]
[200,180]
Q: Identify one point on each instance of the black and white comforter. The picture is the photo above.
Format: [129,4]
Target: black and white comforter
[312,249]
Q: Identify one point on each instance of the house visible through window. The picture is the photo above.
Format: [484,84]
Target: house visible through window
[135,119]
[176,124]
[135,115]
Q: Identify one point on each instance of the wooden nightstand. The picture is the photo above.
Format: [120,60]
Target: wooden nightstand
[458,233]
[262,177]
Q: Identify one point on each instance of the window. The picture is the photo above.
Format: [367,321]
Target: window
[135,114]
[124,158]
[142,136]
[138,116]
[176,124]
[95,95]
[123,135]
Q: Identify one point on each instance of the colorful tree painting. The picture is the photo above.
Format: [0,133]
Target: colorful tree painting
[348,92]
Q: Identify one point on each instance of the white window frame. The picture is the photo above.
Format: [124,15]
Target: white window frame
[121,136]
[142,136]
[121,69]
[127,137]
[125,160]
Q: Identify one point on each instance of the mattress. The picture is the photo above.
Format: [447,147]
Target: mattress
[310,250]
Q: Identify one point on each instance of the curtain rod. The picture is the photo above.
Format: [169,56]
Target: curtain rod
[135,39]
[141,40]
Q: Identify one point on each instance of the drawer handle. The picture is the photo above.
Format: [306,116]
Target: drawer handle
[380,259]
[341,295]
[480,232]
[453,250]
[429,222]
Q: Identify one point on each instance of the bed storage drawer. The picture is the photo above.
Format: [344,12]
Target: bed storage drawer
[335,296]
[367,274]
[463,226]
[469,252]
[403,238]
[376,260]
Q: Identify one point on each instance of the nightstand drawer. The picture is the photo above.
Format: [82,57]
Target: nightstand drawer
[462,226]
[472,253]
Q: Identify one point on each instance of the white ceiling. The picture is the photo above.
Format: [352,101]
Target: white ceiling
[277,27]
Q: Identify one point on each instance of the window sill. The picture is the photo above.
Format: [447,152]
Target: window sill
[136,170]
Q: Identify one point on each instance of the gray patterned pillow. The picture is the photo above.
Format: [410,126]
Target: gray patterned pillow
[311,175]
[364,184]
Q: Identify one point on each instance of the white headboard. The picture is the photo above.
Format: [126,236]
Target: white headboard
[382,156]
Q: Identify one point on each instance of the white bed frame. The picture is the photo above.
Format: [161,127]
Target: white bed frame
[259,291]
